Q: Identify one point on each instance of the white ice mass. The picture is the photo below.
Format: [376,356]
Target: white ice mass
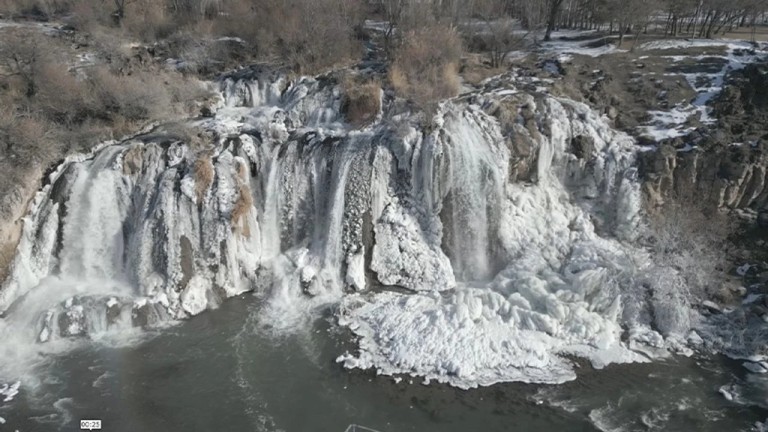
[442,262]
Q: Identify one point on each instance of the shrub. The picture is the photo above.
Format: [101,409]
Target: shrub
[311,35]
[48,110]
[425,66]
[25,139]
[36,9]
[61,97]
[694,240]
[362,101]
[151,20]
[136,97]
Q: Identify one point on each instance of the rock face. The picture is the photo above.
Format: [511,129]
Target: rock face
[725,168]
[730,176]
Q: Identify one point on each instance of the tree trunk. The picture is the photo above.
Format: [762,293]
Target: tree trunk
[637,39]
[119,13]
[552,19]
[712,23]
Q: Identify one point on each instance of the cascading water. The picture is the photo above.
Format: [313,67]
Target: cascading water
[444,265]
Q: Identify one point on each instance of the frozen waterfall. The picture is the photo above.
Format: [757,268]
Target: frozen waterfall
[443,263]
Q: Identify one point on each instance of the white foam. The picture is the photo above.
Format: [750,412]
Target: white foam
[9,391]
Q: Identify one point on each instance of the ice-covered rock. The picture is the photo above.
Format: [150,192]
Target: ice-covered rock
[756,367]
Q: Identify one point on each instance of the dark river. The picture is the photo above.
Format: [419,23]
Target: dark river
[225,371]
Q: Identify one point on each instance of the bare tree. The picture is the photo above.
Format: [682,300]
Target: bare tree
[20,59]
[554,10]
[119,12]
[393,13]
[497,33]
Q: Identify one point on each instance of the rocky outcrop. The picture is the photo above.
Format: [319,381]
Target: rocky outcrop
[724,167]
[725,177]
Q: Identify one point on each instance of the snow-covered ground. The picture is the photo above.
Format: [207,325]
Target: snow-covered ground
[669,123]
[563,49]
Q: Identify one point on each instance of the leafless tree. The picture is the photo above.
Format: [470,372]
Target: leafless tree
[497,32]
[20,59]
[554,10]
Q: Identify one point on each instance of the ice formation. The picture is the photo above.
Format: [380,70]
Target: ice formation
[443,264]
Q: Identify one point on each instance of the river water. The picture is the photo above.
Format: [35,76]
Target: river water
[226,370]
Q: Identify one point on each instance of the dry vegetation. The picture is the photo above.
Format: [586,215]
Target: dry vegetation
[362,101]
[425,65]
[694,239]
[47,104]
[308,35]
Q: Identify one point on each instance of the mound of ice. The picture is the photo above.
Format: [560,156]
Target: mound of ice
[405,255]
[465,339]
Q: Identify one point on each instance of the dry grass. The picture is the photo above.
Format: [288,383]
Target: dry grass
[48,110]
[242,172]
[425,66]
[204,175]
[362,101]
[136,98]
[33,8]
